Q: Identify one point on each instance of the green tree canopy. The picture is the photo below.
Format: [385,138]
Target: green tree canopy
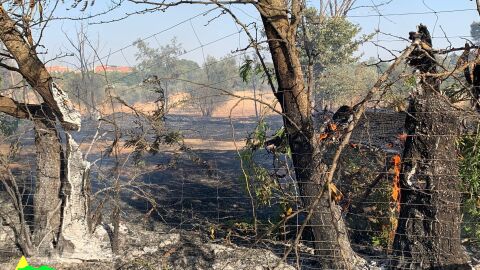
[332,43]
[165,63]
[218,74]
[332,40]
[339,84]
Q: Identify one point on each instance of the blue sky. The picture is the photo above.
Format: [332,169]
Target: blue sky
[116,35]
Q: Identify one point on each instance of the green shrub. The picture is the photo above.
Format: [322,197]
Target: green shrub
[469,169]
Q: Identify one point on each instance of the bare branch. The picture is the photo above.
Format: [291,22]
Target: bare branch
[16,109]
[33,70]
[8,67]
[253,42]
[164,5]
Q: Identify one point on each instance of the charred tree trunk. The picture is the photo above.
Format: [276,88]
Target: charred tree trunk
[472,75]
[60,200]
[331,239]
[428,233]
[46,201]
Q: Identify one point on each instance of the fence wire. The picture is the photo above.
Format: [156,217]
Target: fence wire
[191,174]
[197,184]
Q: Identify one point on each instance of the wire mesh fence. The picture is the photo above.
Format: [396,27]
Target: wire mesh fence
[181,178]
[201,183]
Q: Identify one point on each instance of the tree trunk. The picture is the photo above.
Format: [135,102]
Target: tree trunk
[76,239]
[46,200]
[428,233]
[331,239]
[34,72]
[60,207]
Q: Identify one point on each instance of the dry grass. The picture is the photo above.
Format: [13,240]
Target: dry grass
[235,107]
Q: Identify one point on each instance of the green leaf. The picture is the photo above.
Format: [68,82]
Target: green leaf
[246,70]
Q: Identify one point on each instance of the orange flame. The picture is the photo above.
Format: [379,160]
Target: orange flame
[323,136]
[395,200]
[396,181]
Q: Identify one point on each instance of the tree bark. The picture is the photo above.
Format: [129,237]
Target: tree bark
[49,204]
[26,58]
[76,239]
[16,109]
[331,239]
[46,200]
[428,233]
[35,73]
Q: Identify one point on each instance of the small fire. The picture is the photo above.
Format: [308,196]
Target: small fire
[322,136]
[396,181]
[395,200]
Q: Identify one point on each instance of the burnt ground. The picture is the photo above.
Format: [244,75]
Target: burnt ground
[207,191]
[207,186]
[209,194]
